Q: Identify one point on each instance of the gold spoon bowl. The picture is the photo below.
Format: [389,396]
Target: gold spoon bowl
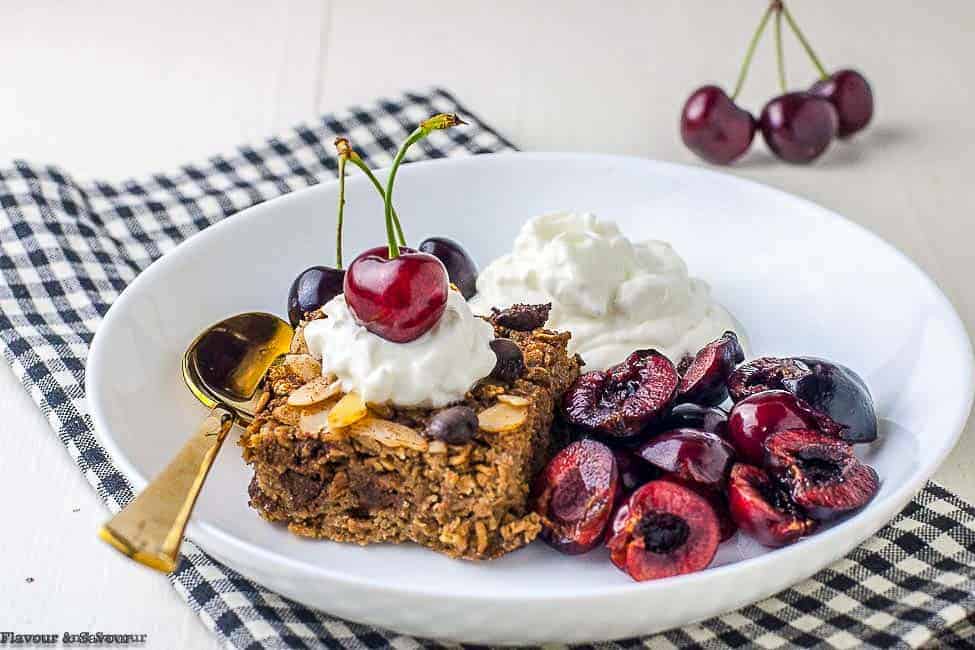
[223,367]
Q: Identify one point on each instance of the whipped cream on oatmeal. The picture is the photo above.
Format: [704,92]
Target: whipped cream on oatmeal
[432,371]
[615,296]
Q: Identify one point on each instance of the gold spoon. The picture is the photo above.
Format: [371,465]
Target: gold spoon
[223,368]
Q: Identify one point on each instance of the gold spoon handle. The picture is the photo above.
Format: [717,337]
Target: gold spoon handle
[150,529]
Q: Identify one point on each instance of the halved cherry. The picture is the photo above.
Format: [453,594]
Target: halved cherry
[663,530]
[762,507]
[758,416]
[620,401]
[719,503]
[823,473]
[575,495]
[704,380]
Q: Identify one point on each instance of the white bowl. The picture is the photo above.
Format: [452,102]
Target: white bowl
[801,279]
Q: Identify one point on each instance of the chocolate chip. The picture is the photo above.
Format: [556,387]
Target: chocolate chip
[511,361]
[523,318]
[303,488]
[455,425]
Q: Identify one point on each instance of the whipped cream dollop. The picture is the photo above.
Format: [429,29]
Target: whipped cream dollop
[434,370]
[615,296]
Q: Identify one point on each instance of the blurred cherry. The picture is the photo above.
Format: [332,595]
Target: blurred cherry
[798,126]
[849,92]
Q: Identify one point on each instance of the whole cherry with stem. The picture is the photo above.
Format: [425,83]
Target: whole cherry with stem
[797,126]
[712,125]
[461,269]
[847,90]
[396,292]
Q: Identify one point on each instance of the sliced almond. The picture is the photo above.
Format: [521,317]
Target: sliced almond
[298,343]
[438,447]
[315,420]
[305,366]
[388,433]
[348,410]
[502,418]
[316,391]
[286,414]
[514,400]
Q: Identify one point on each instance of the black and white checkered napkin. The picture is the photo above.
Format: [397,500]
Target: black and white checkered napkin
[68,247]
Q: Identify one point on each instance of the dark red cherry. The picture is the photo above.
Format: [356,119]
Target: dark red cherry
[823,473]
[461,269]
[619,402]
[575,494]
[398,299]
[849,92]
[633,470]
[663,529]
[798,127]
[719,503]
[691,455]
[826,386]
[711,419]
[313,288]
[703,380]
[714,127]
[758,416]
[762,507]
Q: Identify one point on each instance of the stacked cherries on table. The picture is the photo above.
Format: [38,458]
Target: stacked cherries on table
[797,126]
[662,474]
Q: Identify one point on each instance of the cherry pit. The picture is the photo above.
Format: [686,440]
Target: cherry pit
[798,126]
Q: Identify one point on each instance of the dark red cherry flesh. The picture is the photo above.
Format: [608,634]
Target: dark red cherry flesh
[398,299]
[714,127]
[798,127]
[762,507]
[313,288]
[575,494]
[758,416]
[823,473]
[662,530]
[850,93]
[622,400]
[461,269]
[718,501]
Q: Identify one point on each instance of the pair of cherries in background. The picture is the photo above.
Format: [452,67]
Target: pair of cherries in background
[797,126]
[396,292]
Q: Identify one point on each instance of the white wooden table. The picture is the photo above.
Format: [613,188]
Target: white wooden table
[117,88]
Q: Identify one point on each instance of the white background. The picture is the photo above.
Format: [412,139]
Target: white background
[115,89]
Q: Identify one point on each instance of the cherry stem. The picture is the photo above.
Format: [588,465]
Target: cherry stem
[428,126]
[805,44]
[338,229]
[345,149]
[779,54]
[750,52]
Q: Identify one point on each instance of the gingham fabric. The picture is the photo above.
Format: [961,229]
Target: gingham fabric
[68,247]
